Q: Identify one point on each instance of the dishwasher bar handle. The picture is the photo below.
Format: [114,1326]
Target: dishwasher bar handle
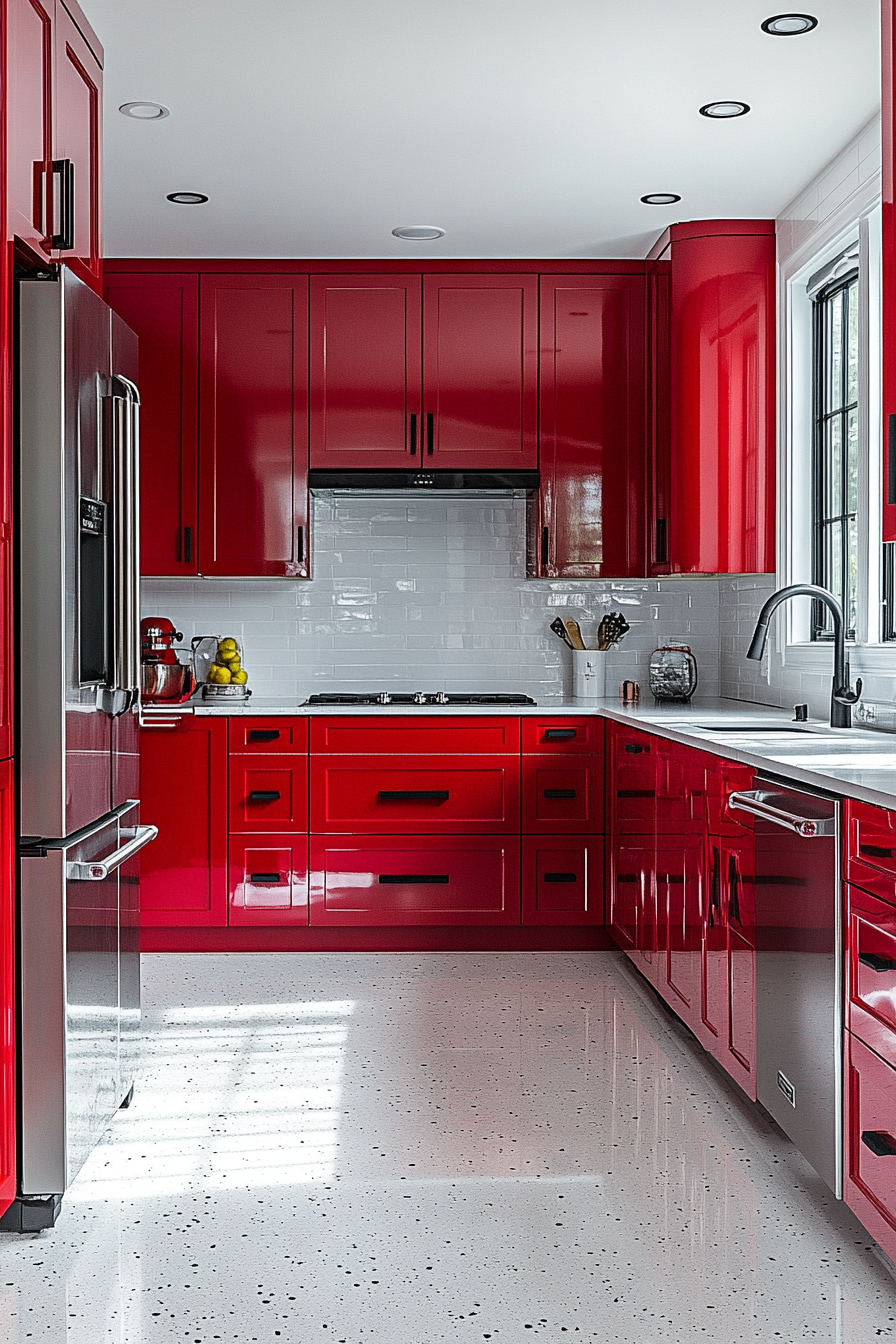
[99,870]
[756,803]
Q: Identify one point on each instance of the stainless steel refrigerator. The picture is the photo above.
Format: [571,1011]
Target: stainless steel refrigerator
[77,748]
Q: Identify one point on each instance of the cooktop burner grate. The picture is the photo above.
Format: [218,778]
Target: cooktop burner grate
[417,698]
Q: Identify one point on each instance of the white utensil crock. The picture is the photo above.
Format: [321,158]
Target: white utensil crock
[589,674]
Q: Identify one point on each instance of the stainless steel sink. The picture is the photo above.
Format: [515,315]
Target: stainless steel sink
[760,729]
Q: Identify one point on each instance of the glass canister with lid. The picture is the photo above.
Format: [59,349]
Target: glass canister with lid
[673,671]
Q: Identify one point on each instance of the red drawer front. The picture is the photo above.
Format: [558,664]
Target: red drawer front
[405,796]
[872,957]
[881,885]
[268,880]
[268,736]
[563,882]
[680,789]
[562,797]
[268,793]
[871,1136]
[871,836]
[633,782]
[474,880]
[404,735]
[563,736]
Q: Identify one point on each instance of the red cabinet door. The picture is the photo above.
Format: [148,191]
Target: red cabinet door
[365,381]
[480,371]
[268,736]
[7,988]
[77,150]
[163,310]
[267,880]
[871,970]
[631,780]
[592,426]
[268,793]
[407,736]
[562,797]
[870,1186]
[183,791]
[562,881]
[659,411]
[630,892]
[680,881]
[29,114]
[253,437]
[557,736]
[395,795]
[414,880]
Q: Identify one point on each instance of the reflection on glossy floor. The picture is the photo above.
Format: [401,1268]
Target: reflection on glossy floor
[406,1149]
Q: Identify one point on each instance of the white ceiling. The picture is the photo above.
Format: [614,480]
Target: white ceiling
[525,128]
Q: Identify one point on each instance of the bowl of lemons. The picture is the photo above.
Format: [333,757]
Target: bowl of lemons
[227,678]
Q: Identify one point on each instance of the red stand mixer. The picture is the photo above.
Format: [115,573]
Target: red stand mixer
[164,677]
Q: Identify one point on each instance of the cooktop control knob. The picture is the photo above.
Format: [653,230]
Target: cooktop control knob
[440,698]
[419,698]
[384,698]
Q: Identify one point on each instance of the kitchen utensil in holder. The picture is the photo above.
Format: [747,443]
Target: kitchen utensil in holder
[589,674]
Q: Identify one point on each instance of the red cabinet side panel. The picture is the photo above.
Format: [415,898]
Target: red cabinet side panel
[365,370]
[480,371]
[7,988]
[253,428]
[164,312]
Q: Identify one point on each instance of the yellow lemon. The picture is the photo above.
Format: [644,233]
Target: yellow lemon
[234,664]
[225,644]
[240,678]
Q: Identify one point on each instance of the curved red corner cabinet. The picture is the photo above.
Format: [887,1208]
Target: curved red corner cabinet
[711,407]
[888,149]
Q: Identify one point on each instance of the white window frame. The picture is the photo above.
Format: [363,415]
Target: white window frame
[794,649]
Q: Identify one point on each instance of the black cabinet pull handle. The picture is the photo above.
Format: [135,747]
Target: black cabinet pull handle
[876,851]
[64,170]
[636,793]
[300,544]
[413,796]
[661,553]
[430,433]
[634,750]
[875,962]
[560,877]
[715,889]
[556,734]
[413,433]
[626,877]
[188,544]
[413,879]
[264,796]
[880,1142]
[559,793]
[734,890]
[545,545]
[264,877]
[263,734]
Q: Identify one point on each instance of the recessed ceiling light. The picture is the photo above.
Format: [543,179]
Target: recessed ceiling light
[144,111]
[725,109]
[187,198]
[419,233]
[660,198]
[789,25]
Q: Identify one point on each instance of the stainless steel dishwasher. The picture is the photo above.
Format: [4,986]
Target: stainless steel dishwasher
[799,1012]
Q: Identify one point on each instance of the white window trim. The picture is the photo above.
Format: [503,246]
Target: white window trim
[857,219]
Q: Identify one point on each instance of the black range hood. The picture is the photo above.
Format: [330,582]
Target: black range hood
[422,480]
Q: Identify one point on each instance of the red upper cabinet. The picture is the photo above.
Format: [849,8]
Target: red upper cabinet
[365,371]
[719,455]
[163,309]
[77,146]
[253,425]
[29,103]
[592,427]
[480,371]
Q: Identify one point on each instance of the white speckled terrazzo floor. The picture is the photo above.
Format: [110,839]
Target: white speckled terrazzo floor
[408,1149]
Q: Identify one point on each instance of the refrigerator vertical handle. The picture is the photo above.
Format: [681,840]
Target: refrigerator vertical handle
[126,541]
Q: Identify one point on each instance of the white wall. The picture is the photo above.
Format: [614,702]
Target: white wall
[429,594]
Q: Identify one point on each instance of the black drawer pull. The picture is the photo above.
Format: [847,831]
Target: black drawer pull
[264,796]
[876,851]
[263,734]
[555,734]
[877,963]
[634,750]
[559,793]
[636,793]
[561,877]
[268,878]
[627,877]
[413,795]
[413,879]
[880,1142]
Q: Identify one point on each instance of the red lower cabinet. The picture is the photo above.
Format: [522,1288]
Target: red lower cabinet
[679,893]
[268,793]
[7,988]
[870,1185]
[268,880]
[564,797]
[563,880]
[630,888]
[415,880]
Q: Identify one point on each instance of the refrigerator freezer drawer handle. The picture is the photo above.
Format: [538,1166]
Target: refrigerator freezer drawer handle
[100,870]
[755,803]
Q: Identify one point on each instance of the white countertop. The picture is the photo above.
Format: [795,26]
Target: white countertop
[855,763]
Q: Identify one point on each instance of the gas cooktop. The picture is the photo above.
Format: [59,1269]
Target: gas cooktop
[422,698]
